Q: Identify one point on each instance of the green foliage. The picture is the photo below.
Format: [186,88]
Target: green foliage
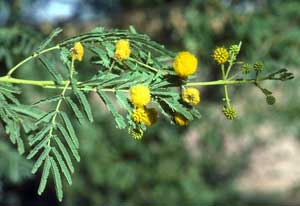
[158,170]
[53,137]
[118,118]
[16,42]
[114,169]
[53,143]
[267,30]
[14,167]
[48,40]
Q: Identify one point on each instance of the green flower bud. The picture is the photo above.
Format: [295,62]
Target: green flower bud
[246,68]
[229,113]
[234,49]
[270,99]
[136,133]
[258,66]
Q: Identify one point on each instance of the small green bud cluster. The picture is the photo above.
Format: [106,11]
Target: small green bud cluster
[270,99]
[234,50]
[229,113]
[246,68]
[258,66]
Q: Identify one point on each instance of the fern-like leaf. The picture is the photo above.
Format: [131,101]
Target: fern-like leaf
[118,118]
[85,104]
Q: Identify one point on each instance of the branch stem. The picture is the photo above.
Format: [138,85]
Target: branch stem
[53,85]
[224,76]
[144,65]
[34,55]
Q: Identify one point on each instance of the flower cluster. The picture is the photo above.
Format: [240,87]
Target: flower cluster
[229,113]
[144,115]
[191,96]
[140,95]
[77,51]
[122,51]
[136,133]
[221,55]
[185,64]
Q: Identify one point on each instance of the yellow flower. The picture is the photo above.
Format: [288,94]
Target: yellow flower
[180,120]
[221,55]
[140,95]
[185,64]
[77,51]
[122,50]
[145,116]
[191,96]
[138,115]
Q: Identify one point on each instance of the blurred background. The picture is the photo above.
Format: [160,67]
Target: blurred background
[253,160]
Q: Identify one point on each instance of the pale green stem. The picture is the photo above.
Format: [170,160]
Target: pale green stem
[53,85]
[112,65]
[235,75]
[57,110]
[34,55]
[225,86]
[228,69]
[89,89]
[7,79]
[144,65]
[231,63]
[62,96]
[223,82]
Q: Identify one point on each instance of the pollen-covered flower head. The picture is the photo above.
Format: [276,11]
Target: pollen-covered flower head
[221,55]
[140,95]
[122,50]
[77,51]
[191,96]
[138,115]
[181,120]
[145,116]
[185,64]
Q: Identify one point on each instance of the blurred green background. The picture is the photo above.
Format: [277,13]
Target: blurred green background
[253,160]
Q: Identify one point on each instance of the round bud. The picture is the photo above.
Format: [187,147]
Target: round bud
[258,66]
[270,100]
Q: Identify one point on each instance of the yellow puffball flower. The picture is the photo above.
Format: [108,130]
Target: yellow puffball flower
[221,55]
[77,51]
[181,120]
[140,95]
[191,96]
[138,115]
[122,50]
[145,116]
[185,64]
